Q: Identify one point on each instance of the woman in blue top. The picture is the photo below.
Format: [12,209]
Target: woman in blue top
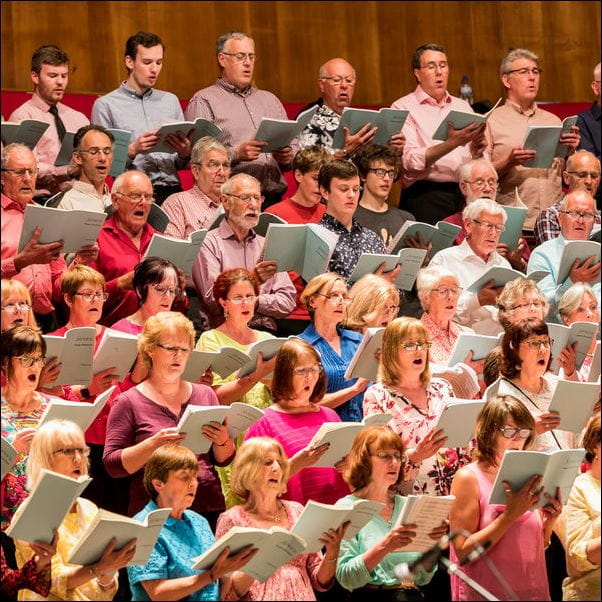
[326,297]
[170,478]
[366,563]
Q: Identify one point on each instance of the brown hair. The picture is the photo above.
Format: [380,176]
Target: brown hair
[80,274]
[514,335]
[311,159]
[337,168]
[167,458]
[492,417]
[287,359]
[227,279]
[591,437]
[369,154]
[20,340]
[48,55]
[320,284]
[358,470]
[491,367]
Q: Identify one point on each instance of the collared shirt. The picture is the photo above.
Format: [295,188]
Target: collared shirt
[336,365]
[443,341]
[125,109]
[118,255]
[188,211]
[43,280]
[547,257]
[238,114]
[425,116]
[221,251]
[321,129]
[538,188]
[178,542]
[588,123]
[468,266]
[547,224]
[351,244]
[50,179]
[84,196]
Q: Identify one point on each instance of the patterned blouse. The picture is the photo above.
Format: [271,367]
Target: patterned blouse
[435,474]
[321,129]
[26,577]
[443,340]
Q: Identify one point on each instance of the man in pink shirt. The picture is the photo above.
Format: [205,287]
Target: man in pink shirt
[50,76]
[430,176]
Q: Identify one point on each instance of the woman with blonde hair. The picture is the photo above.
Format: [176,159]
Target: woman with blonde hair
[16,305]
[259,476]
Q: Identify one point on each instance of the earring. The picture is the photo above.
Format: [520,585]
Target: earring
[226,314]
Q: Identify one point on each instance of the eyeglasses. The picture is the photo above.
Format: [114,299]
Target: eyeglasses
[214,166]
[90,297]
[489,226]
[247,198]
[311,371]
[94,150]
[238,299]
[11,308]
[454,291]
[416,346]
[166,290]
[174,350]
[509,432]
[71,451]
[442,65]
[337,80]
[583,175]
[381,173]
[539,343]
[336,297]
[21,173]
[27,361]
[585,216]
[481,183]
[137,197]
[241,56]
[525,71]
[394,457]
[527,305]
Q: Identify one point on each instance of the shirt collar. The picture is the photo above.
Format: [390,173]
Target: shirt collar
[204,197]
[465,250]
[424,98]
[132,93]
[232,88]
[89,189]
[225,232]
[328,112]
[170,520]
[112,226]
[529,112]
[41,104]
[335,224]
[8,203]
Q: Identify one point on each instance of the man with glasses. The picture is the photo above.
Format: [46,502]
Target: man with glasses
[50,77]
[484,221]
[136,106]
[430,179]
[234,244]
[197,208]
[237,108]
[506,131]
[577,218]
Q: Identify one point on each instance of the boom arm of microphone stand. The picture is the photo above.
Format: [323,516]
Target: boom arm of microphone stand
[453,569]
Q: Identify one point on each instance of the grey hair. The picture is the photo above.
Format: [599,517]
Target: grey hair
[465,170]
[514,55]
[577,155]
[569,302]
[228,185]
[231,35]
[119,180]
[479,206]
[204,145]
[428,279]
[7,150]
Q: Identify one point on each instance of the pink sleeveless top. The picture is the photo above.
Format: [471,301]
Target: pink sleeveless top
[519,555]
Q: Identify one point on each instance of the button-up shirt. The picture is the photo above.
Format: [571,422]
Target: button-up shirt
[125,109]
[50,179]
[321,129]
[238,114]
[425,116]
[468,266]
[189,211]
[547,224]
[221,250]
[351,244]
[43,280]
[538,188]
[118,255]
[84,196]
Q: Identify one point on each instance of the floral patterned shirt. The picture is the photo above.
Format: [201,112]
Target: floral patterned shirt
[435,474]
[321,129]
[443,340]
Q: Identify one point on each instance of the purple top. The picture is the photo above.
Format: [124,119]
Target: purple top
[134,418]
[294,432]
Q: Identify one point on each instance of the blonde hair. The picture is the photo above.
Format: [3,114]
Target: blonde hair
[368,297]
[44,443]
[396,333]
[15,288]
[249,461]
[159,324]
[512,291]
[80,274]
[319,285]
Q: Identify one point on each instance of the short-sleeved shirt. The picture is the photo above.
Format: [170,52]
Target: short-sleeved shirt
[180,540]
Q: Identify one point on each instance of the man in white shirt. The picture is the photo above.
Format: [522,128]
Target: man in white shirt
[484,222]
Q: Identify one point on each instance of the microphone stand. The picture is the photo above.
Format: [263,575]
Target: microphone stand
[452,568]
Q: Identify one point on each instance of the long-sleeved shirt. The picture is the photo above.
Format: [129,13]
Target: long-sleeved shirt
[125,109]
[26,577]
[221,251]
[51,179]
[238,114]
[588,123]
[547,257]
[189,211]
[425,116]
[468,266]
[43,280]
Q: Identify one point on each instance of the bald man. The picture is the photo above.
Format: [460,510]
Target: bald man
[336,81]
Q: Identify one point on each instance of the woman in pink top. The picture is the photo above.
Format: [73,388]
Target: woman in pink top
[517,533]
[298,384]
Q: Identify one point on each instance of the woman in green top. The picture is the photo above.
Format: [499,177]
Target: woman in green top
[237,291]
[366,562]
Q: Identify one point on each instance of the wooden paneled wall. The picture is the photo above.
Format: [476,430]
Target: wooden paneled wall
[294,38]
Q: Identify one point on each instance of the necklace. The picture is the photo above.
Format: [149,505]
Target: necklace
[274,518]
[408,402]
